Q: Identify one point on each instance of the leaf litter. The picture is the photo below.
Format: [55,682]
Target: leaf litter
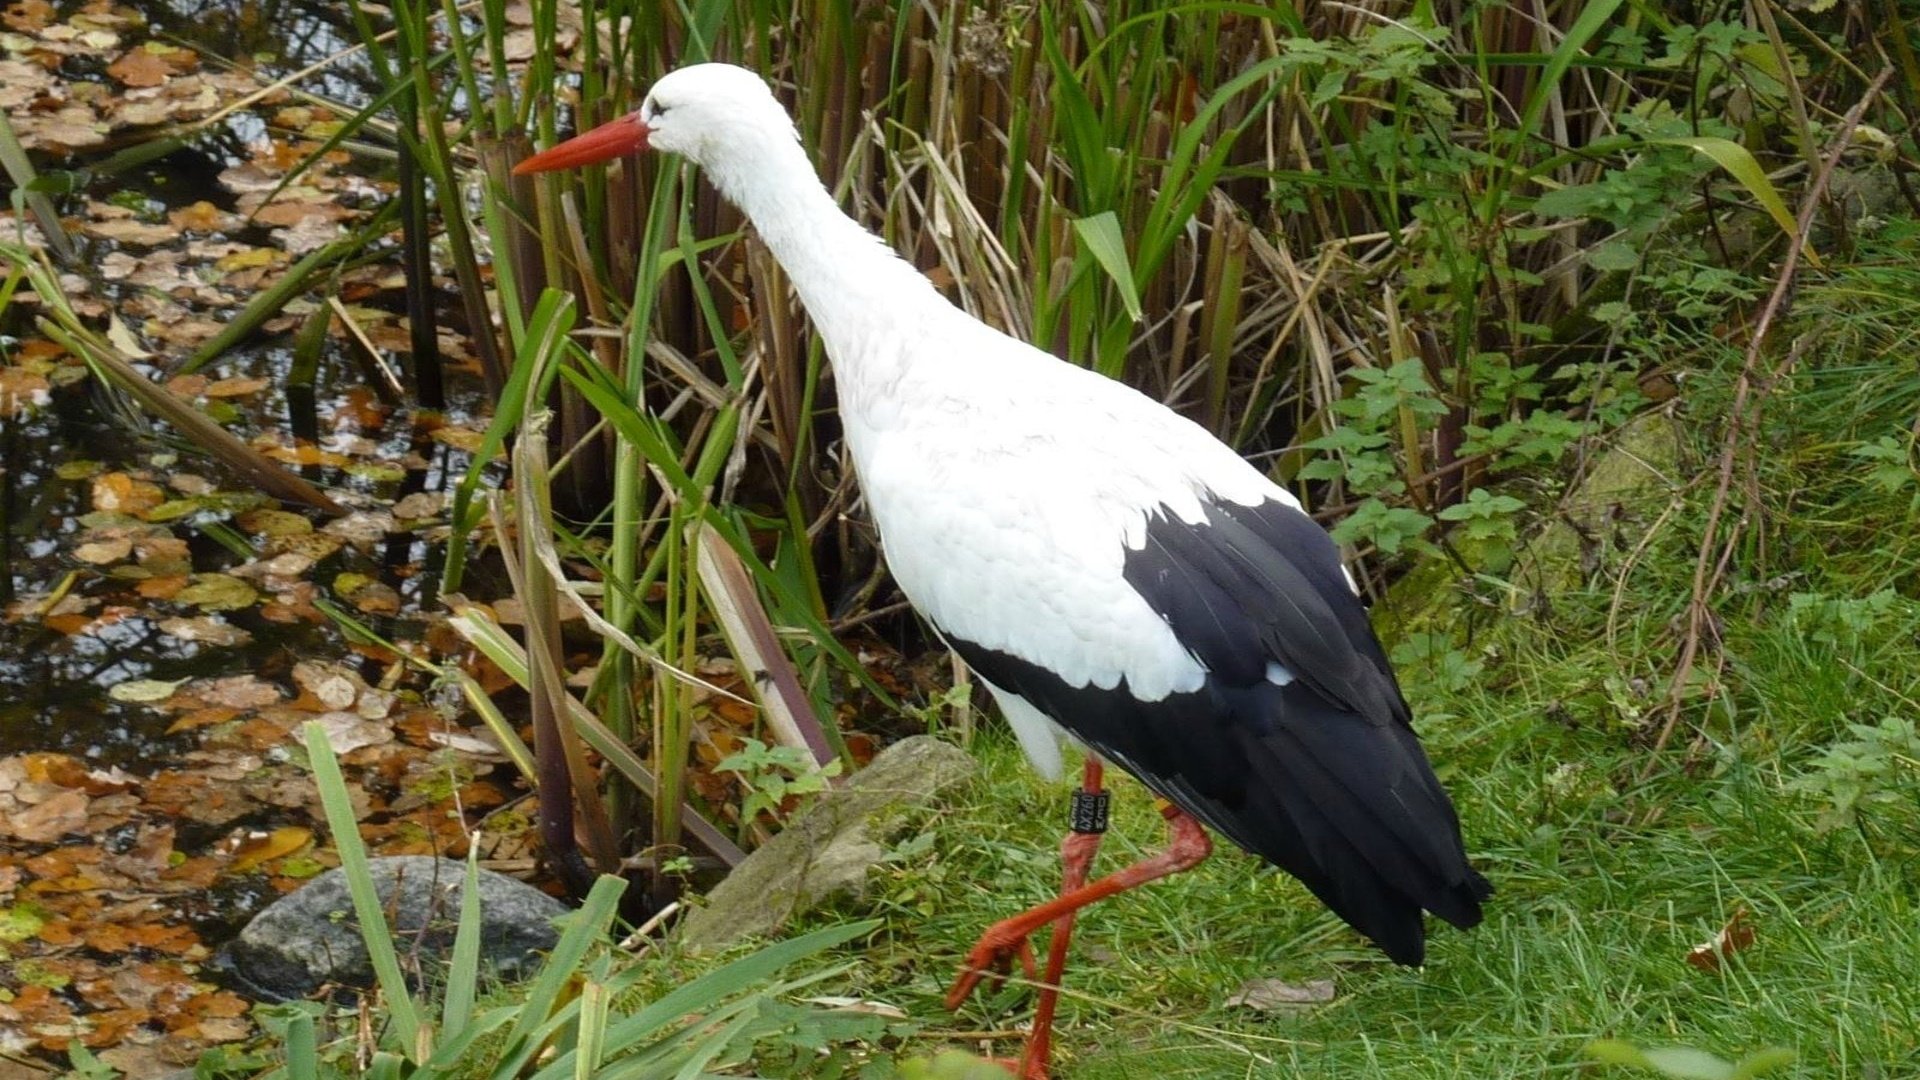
[107,873]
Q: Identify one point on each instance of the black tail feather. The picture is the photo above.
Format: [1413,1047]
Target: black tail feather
[1352,808]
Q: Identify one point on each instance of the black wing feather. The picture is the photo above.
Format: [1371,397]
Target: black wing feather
[1323,776]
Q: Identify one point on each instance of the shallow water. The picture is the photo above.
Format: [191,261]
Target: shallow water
[53,686]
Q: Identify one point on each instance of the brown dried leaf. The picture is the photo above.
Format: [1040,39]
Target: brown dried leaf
[1736,936]
[217,592]
[130,230]
[206,629]
[267,522]
[47,821]
[119,493]
[203,216]
[362,528]
[103,552]
[138,67]
[238,386]
[27,16]
[1278,996]
[237,692]
[71,128]
[373,597]
[161,588]
[200,718]
[335,686]
[420,504]
[265,847]
[347,732]
[286,212]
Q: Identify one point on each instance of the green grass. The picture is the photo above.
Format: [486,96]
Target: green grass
[1586,938]
[1606,880]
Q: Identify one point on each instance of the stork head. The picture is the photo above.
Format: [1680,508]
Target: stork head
[721,117]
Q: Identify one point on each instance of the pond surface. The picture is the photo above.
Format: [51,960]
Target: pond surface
[166,633]
[54,686]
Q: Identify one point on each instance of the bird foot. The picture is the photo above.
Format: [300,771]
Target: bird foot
[991,959]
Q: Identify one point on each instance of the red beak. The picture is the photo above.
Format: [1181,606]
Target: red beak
[615,138]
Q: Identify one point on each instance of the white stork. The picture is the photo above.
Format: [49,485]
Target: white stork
[1103,565]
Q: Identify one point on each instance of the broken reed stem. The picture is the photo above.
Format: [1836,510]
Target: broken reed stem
[1749,396]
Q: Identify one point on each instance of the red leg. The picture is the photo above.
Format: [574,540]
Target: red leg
[1188,846]
[1077,851]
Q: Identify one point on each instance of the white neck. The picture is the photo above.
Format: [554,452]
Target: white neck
[856,289]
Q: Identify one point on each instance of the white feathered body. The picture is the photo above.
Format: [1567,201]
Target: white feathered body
[1008,487]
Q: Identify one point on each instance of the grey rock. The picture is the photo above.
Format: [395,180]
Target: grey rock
[1635,476]
[831,846]
[310,938]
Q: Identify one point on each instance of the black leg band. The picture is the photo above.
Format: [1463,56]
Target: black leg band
[1089,811]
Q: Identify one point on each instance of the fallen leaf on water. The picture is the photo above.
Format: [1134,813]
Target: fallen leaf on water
[362,528]
[236,692]
[268,522]
[370,596]
[67,623]
[334,685]
[130,230]
[238,386]
[1734,937]
[102,552]
[217,592]
[47,821]
[266,847]
[248,259]
[470,745]
[206,629]
[420,504]
[72,128]
[138,67]
[119,492]
[163,551]
[122,337]
[1278,996]
[155,937]
[461,438]
[165,587]
[20,389]
[143,691]
[29,15]
[347,732]
[200,718]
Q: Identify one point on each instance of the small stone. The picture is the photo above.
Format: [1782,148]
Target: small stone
[310,938]
[831,847]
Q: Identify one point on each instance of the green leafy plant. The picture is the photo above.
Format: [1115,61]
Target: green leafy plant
[1432,659]
[1388,528]
[1843,623]
[772,774]
[1889,466]
[1489,523]
[1878,768]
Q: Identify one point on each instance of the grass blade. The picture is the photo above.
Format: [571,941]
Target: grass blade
[1740,164]
[1100,234]
[338,804]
